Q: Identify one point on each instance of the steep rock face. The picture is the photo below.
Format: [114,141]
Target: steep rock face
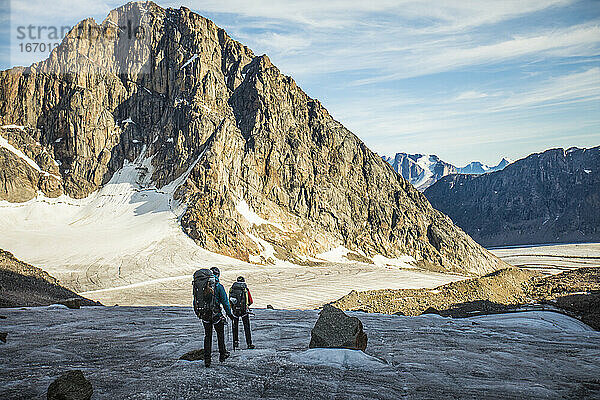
[26,167]
[548,197]
[265,171]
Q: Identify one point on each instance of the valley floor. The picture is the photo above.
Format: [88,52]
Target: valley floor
[551,258]
[132,353]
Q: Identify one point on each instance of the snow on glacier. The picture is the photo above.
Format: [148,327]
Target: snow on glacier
[337,358]
[123,244]
[133,352]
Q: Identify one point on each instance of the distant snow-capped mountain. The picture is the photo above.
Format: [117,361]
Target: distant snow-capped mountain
[423,170]
[477,168]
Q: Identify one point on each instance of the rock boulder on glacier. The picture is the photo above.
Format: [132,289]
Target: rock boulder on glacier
[194,355]
[335,329]
[71,385]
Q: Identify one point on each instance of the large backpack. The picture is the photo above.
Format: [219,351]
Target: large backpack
[238,298]
[205,300]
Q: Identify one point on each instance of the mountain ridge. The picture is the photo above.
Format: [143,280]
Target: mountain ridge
[547,197]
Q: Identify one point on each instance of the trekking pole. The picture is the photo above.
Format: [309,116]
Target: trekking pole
[228,338]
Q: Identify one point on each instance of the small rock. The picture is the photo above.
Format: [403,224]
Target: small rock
[74,303]
[71,385]
[335,329]
[269,307]
[3,336]
[3,317]
[193,355]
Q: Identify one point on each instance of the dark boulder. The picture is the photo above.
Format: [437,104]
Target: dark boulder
[74,303]
[194,355]
[3,336]
[335,329]
[431,310]
[269,307]
[71,385]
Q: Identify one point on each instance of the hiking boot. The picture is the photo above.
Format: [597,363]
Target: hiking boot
[224,356]
[251,346]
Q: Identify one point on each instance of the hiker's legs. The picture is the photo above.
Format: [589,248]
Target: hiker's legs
[207,341]
[247,333]
[234,325]
[220,329]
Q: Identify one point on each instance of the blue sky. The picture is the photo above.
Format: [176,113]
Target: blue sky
[466,80]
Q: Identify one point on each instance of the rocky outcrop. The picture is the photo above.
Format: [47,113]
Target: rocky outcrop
[264,170]
[575,292]
[22,284]
[73,303]
[71,385]
[501,287]
[335,329]
[26,167]
[550,197]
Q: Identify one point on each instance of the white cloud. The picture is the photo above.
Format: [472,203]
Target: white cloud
[576,87]
[581,40]
[283,43]
[470,95]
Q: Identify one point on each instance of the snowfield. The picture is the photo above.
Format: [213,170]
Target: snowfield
[551,258]
[124,245]
[132,353]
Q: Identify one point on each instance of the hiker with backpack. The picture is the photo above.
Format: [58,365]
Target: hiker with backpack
[209,296]
[240,299]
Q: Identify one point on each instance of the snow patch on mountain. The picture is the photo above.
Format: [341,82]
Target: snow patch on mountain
[427,163]
[246,211]
[4,143]
[13,126]
[188,62]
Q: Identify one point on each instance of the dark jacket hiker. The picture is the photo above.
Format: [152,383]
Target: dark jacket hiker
[209,296]
[240,299]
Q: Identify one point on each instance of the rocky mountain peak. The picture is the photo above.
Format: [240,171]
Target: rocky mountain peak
[263,171]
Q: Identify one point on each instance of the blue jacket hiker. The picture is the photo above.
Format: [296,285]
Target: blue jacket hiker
[221,295]
[214,318]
